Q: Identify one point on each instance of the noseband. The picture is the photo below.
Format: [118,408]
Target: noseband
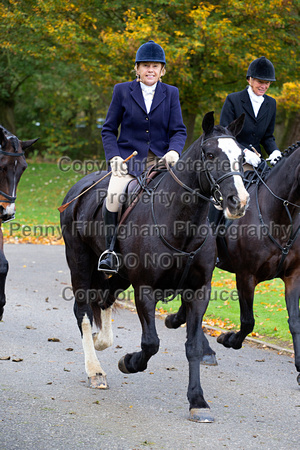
[9,198]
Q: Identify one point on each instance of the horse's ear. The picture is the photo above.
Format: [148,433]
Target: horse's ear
[27,144]
[236,126]
[3,138]
[208,122]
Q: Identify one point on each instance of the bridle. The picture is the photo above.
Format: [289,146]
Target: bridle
[9,198]
[215,190]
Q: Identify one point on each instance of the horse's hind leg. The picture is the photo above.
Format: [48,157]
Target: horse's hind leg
[3,274]
[80,260]
[292,293]
[245,285]
[176,320]
[96,375]
[104,338]
[137,362]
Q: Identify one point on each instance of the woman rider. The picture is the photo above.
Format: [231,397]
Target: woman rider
[150,119]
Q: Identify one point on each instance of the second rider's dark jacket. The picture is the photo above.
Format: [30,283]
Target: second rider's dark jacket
[257,130]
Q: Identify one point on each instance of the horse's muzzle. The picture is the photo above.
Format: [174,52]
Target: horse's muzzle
[235,207]
[7,213]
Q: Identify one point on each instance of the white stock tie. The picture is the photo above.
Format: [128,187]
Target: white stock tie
[148,94]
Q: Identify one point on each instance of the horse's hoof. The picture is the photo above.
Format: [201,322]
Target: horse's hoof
[298,378]
[209,360]
[98,381]
[122,365]
[201,415]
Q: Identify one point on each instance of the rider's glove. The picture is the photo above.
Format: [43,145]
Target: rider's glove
[118,166]
[171,157]
[251,158]
[275,156]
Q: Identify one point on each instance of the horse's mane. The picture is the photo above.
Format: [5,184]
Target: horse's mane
[285,154]
[288,151]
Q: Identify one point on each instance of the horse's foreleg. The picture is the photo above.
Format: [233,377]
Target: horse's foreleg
[231,339]
[194,347]
[3,274]
[137,362]
[292,293]
[104,338]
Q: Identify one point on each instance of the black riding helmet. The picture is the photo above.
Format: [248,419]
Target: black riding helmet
[262,69]
[150,52]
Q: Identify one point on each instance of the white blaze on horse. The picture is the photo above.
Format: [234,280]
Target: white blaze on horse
[210,171]
[12,166]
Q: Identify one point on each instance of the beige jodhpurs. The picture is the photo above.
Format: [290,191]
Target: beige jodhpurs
[117,185]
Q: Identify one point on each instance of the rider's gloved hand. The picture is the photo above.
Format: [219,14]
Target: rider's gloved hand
[275,156]
[251,158]
[118,166]
[171,157]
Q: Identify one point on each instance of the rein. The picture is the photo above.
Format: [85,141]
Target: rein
[293,236]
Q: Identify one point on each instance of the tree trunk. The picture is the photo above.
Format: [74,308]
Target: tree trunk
[7,115]
[189,121]
[292,133]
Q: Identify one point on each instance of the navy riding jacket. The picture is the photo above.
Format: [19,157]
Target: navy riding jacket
[257,130]
[159,131]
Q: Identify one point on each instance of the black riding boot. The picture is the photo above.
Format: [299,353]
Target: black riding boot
[108,261]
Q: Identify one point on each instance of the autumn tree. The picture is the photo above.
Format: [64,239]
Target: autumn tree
[62,58]
[209,46]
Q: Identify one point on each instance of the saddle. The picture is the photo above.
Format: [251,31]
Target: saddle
[135,188]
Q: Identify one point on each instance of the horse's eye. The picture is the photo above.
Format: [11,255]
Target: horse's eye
[209,156]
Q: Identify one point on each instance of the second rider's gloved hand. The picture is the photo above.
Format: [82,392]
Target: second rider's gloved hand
[275,156]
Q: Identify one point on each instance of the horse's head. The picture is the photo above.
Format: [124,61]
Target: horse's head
[12,165]
[223,165]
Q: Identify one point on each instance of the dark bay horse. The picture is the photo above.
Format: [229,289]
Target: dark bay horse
[159,256]
[265,244]
[12,165]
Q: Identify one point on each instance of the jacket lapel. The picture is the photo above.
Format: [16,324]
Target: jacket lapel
[159,96]
[136,94]
[263,110]
[246,102]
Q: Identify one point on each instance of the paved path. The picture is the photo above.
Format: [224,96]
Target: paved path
[45,402]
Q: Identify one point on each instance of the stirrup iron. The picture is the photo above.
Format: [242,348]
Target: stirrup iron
[110,271]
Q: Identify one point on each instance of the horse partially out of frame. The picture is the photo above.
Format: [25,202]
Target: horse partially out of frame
[265,244]
[209,171]
[12,165]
